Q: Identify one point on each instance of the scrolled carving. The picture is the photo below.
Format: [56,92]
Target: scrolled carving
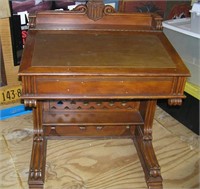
[81,8]
[31,103]
[95,9]
[175,102]
[109,9]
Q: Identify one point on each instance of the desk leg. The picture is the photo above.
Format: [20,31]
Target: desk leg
[38,157]
[143,143]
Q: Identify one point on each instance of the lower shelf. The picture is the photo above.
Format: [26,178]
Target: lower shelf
[89,131]
[92,118]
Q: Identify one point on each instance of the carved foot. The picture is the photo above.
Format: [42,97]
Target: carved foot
[37,165]
[148,160]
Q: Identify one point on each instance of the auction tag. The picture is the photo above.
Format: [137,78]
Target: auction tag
[10,94]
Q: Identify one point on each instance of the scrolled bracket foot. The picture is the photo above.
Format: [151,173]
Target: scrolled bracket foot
[148,160]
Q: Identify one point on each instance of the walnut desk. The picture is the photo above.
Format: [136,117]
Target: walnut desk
[98,77]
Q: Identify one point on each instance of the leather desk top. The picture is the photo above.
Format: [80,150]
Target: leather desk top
[110,52]
[100,50]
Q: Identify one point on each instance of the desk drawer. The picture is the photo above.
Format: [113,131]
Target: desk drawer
[89,131]
[100,87]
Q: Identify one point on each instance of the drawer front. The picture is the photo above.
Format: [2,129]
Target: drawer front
[112,87]
[89,131]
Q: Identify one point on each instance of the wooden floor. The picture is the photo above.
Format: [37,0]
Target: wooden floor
[100,164]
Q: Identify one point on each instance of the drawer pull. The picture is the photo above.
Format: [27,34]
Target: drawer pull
[82,128]
[99,127]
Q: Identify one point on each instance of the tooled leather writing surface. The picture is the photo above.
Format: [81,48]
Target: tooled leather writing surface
[100,50]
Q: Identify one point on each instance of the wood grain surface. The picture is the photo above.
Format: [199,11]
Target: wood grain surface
[100,164]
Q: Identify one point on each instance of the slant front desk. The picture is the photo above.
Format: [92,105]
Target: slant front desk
[93,74]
